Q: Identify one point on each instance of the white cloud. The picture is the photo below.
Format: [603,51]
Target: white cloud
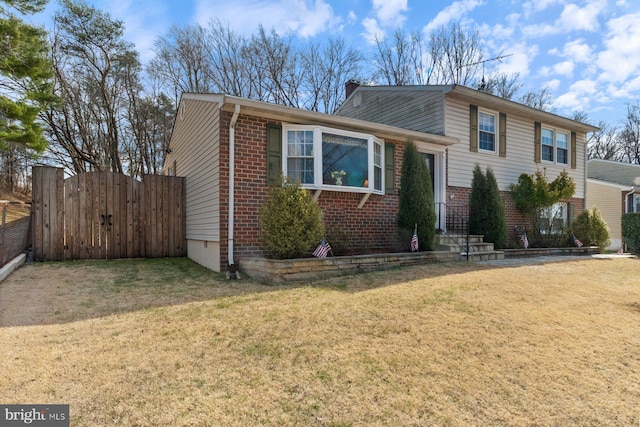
[574,17]
[453,12]
[552,84]
[530,7]
[520,59]
[352,17]
[564,68]
[584,86]
[578,51]
[619,60]
[372,30]
[301,17]
[389,12]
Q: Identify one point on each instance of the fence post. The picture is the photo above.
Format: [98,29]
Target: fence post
[2,236]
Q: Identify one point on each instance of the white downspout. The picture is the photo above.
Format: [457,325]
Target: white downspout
[626,199]
[232,172]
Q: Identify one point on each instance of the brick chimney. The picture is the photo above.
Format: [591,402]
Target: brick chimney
[350,87]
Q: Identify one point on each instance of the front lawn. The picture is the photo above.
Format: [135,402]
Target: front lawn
[166,342]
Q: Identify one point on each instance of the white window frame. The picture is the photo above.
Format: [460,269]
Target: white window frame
[555,149]
[496,135]
[557,212]
[317,184]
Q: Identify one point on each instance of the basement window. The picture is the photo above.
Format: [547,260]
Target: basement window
[332,159]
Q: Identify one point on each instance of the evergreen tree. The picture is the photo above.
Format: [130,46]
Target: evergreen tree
[478,202]
[26,78]
[496,229]
[486,209]
[416,198]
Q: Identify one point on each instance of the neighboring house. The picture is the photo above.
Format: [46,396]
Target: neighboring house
[231,149]
[506,136]
[613,188]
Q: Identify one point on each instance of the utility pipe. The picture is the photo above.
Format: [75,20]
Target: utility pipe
[232,172]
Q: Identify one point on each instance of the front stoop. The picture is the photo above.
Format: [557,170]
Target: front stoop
[478,249]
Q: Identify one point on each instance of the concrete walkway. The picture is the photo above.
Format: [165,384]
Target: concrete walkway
[518,261]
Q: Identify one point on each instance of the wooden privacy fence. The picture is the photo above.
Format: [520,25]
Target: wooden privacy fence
[106,215]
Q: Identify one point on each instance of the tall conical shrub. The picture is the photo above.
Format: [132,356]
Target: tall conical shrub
[486,208]
[416,198]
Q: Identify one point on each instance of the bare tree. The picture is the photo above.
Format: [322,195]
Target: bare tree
[398,62]
[183,61]
[504,85]
[456,55]
[603,144]
[326,70]
[629,136]
[540,99]
[227,62]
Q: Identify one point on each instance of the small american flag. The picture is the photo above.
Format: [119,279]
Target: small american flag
[323,249]
[620,251]
[525,241]
[577,242]
[414,240]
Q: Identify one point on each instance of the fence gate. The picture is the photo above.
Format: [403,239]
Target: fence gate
[106,215]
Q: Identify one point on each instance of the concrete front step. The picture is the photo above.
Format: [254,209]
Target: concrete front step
[482,256]
[459,239]
[473,247]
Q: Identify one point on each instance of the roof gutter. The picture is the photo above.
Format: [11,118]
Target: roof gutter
[232,173]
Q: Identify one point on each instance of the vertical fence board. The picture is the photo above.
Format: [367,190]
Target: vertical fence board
[106,215]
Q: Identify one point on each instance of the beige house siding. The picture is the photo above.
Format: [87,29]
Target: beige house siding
[195,151]
[608,198]
[520,151]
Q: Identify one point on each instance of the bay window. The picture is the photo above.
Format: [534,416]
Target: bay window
[333,159]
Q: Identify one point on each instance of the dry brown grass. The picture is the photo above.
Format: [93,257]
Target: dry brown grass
[164,342]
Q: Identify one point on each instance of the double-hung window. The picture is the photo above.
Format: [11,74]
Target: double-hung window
[486,131]
[555,146]
[333,159]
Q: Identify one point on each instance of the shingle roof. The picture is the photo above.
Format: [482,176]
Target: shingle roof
[619,173]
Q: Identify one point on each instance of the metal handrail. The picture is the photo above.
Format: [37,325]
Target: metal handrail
[454,218]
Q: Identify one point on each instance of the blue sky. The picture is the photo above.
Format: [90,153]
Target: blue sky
[586,52]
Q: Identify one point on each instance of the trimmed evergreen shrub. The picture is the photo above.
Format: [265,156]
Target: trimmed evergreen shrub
[631,230]
[416,199]
[290,222]
[590,229]
[486,208]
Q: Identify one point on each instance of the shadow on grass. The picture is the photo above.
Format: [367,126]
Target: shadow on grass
[63,292]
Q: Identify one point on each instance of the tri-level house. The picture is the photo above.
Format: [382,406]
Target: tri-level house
[492,132]
[232,149]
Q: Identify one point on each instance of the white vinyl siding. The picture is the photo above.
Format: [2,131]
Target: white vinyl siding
[520,148]
[198,160]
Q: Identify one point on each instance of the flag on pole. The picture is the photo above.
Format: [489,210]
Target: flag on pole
[577,242]
[525,241]
[414,240]
[323,249]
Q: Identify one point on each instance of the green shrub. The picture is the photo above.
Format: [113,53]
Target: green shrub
[631,230]
[290,222]
[416,205]
[591,230]
[486,209]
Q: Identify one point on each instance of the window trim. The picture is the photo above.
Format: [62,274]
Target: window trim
[372,141]
[496,131]
[550,213]
[555,149]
